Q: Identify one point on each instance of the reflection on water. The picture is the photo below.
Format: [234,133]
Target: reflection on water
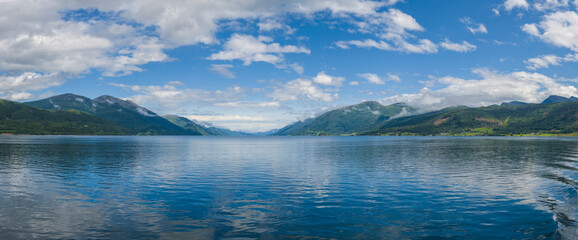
[57,187]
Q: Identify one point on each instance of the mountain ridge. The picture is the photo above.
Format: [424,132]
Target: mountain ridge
[108,115]
[346,120]
[139,120]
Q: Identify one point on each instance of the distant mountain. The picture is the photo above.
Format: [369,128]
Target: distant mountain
[294,127]
[559,99]
[265,133]
[555,118]
[215,131]
[347,120]
[18,118]
[137,119]
[513,103]
[205,131]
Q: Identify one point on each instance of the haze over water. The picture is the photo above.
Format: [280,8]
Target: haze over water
[57,187]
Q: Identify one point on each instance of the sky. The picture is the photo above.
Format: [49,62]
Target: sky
[257,65]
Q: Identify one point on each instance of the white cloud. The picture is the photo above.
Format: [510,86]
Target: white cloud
[492,88]
[298,68]
[246,104]
[301,89]
[496,11]
[545,61]
[251,49]
[354,83]
[324,79]
[217,118]
[368,43]
[559,29]
[545,5]
[17,87]
[235,122]
[458,47]
[393,27]
[270,24]
[223,69]
[69,38]
[480,29]
[511,4]
[375,79]
[372,78]
[169,98]
[423,45]
[473,27]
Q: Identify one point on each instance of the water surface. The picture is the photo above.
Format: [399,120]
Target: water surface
[55,187]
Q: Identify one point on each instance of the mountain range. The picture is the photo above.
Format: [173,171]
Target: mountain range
[556,115]
[138,120]
[107,115]
[347,120]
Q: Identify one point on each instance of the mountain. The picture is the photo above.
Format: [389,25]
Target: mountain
[554,118]
[137,119]
[513,103]
[205,131]
[18,118]
[559,99]
[291,128]
[347,120]
[186,124]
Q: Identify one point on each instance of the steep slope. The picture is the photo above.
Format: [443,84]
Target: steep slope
[125,113]
[291,128]
[555,118]
[205,131]
[559,99]
[348,120]
[186,124]
[18,118]
[65,102]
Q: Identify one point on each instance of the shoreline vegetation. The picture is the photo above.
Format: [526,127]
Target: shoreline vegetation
[70,114]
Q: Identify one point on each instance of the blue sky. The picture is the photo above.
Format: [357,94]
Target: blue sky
[256,65]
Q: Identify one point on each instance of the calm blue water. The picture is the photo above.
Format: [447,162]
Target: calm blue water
[62,187]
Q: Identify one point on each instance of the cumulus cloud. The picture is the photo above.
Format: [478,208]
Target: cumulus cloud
[246,104]
[255,49]
[324,79]
[372,78]
[217,118]
[270,24]
[545,61]
[17,87]
[169,98]
[511,4]
[559,29]
[301,89]
[458,47]
[545,5]
[394,29]
[71,38]
[492,88]
[375,79]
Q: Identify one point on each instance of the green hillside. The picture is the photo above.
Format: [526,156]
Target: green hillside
[17,118]
[137,119]
[346,121]
[186,124]
[205,131]
[531,119]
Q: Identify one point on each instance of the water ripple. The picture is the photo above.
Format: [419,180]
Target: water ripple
[58,187]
